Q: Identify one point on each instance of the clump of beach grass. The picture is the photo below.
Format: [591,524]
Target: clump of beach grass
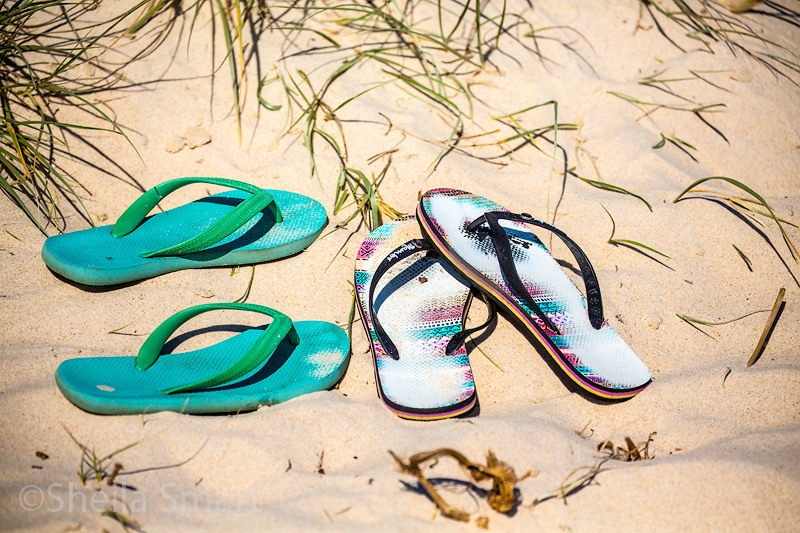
[95,466]
[708,24]
[432,59]
[43,43]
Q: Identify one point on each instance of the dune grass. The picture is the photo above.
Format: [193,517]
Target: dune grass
[748,205]
[711,26]
[93,465]
[43,44]
[432,61]
[612,240]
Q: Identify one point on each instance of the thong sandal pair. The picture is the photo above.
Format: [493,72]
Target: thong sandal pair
[414,294]
[258,366]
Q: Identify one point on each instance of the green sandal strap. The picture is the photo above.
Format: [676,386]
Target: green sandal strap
[233,220]
[260,351]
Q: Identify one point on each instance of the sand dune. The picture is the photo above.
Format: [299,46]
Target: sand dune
[725,448]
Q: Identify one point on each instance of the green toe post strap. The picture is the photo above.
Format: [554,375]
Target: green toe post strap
[238,216]
[280,327]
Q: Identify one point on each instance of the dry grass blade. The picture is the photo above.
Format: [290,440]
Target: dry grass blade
[119,329]
[530,136]
[475,344]
[725,376]
[264,81]
[608,187]
[693,107]
[351,316]
[767,327]
[674,140]
[571,485]
[748,204]
[501,497]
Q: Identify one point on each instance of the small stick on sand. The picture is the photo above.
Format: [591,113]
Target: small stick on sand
[767,327]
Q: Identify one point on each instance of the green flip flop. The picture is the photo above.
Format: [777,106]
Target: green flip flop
[244,226]
[256,367]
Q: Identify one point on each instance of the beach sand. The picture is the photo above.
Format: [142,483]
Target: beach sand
[726,437]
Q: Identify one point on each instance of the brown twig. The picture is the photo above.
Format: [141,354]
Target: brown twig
[767,327]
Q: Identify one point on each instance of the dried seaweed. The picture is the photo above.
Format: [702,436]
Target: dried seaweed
[628,451]
[501,497]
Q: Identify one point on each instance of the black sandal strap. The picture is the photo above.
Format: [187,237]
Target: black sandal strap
[461,337]
[502,246]
[401,252]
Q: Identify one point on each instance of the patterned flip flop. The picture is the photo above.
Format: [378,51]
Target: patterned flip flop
[413,306]
[508,263]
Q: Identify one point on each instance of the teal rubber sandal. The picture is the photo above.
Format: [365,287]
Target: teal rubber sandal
[244,226]
[256,367]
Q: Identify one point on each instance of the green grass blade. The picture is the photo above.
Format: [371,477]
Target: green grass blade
[612,240]
[613,188]
[243,297]
[264,81]
[744,257]
[721,323]
[232,63]
[754,194]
